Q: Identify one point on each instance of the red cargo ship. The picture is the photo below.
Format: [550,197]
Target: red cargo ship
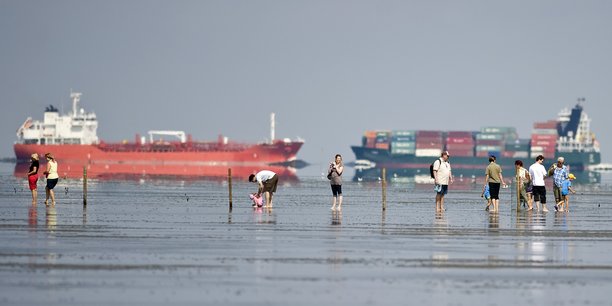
[73,139]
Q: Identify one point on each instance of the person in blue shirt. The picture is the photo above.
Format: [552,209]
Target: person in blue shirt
[566,188]
[487,195]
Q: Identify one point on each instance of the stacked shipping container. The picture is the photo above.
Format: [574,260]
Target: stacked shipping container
[403,142]
[460,143]
[491,140]
[516,149]
[544,139]
[429,143]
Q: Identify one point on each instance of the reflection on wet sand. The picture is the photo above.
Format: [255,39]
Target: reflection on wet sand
[336,217]
[51,218]
[32,217]
[493,220]
[264,215]
[440,221]
[84,215]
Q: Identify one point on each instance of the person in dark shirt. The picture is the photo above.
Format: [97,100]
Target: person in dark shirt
[33,177]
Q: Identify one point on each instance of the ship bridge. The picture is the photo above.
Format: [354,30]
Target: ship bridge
[77,127]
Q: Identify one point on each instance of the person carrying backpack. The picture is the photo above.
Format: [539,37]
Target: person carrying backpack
[442,175]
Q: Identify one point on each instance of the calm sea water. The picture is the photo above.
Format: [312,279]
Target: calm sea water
[175,241]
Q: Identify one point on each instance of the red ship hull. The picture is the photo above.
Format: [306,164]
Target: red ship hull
[168,159]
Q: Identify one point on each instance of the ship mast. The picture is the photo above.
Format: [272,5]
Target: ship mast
[76,97]
[272,127]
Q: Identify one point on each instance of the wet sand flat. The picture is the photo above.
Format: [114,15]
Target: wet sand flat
[161,241]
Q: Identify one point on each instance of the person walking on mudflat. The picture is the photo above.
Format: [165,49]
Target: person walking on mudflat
[537,172]
[524,180]
[33,177]
[494,177]
[442,178]
[266,181]
[335,176]
[52,178]
[560,174]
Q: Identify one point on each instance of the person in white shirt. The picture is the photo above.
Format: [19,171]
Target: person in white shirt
[537,172]
[52,178]
[266,181]
[442,178]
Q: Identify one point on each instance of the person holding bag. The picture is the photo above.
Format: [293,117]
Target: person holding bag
[334,174]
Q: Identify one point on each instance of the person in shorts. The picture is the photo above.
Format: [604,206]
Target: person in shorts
[566,188]
[494,178]
[537,172]
[33,177]
[442,178]
[487,195]
[52,178]
[266,181]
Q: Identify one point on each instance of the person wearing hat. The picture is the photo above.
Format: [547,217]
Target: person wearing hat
[559,173]
[33,177]
[566,188]
[442,178]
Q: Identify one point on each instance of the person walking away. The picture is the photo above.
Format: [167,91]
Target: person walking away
[560,174]
[523,183]
[487,195]
[335,175]
[266,181]
[494,177]
[52,178]
[442,178]
[566,188]
[33,177]
[537,172]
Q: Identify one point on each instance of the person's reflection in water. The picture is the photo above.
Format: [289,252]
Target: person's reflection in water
[539,220]
[494,221]
[51,218]
[560,220]
[32,217]
[440,221]
[336,217]
[523,219]
[264,215]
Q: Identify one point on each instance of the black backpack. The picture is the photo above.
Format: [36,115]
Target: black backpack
[431,168]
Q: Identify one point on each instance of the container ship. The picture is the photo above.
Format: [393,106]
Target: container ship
[408,153]
[72,139]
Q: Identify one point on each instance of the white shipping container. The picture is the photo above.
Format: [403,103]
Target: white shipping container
[544,132]
[498,129]
[403,133]
[489,148]
[403,145]
[428,152]
[484,136]
[521,154]
[402,151]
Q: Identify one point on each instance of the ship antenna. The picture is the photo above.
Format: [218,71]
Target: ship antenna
[272,127]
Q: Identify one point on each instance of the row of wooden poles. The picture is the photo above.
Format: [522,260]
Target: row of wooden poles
[383,186]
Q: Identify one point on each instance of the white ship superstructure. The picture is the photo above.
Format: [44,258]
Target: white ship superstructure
[575,133]
[77,127]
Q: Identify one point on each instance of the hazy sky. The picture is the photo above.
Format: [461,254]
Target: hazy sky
[329,69]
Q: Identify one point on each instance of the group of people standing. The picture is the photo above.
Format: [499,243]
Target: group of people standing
[532,186]
[531,182]
[51,176]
